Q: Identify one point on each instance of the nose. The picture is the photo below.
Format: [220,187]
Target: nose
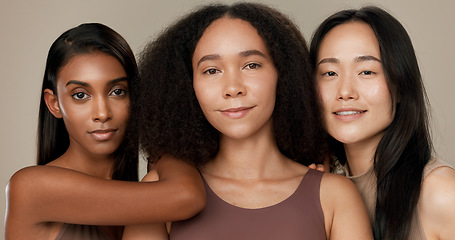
[101,110]
[234,86]
[347,89]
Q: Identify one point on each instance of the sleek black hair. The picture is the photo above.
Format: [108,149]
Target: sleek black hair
[171,120]
[53,139]
[406,146]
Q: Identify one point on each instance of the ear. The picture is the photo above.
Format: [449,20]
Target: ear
[52,103]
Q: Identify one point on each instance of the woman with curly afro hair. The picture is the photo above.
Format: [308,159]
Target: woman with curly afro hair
[229,89]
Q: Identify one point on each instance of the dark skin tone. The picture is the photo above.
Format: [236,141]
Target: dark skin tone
[77,187]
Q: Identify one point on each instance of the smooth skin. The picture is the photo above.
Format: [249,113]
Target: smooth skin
[358,108]
[76,188]
[249,171]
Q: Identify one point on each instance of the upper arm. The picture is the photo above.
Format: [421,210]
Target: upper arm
[43,194]
[436,203]
[344,210]
[152,231]
[19,205]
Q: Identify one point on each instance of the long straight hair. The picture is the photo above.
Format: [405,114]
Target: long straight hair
[406,147]
[53,138]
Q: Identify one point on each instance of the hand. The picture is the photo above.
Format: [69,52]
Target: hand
[319,167]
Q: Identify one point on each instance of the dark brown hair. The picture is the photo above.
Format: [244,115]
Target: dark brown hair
[170,118]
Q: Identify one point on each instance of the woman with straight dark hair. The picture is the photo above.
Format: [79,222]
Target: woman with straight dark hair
[85,140]
[375,110]
[230,89]
[53,139]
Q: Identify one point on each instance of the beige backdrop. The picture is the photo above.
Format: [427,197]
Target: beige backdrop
[27,29]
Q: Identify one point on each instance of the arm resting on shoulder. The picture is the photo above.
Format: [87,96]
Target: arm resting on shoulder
[51,194]
[150,231]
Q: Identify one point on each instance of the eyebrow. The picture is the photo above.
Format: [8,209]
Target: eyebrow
[329,60]
[366,58]
[246,53]
[84,84]
[208,58]
[357,59]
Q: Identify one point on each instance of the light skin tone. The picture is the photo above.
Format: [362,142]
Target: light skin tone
[358,108]
[353,87]
[249,171]
[92,99]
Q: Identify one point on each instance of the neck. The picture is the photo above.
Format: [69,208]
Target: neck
[96,165]
[255,157]
[360,155]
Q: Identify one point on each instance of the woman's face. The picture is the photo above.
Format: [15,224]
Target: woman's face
[234,78]
[352,85]
[93,100]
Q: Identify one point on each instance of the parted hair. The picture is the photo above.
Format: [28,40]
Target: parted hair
[53,138]
[169,118]
[406,146]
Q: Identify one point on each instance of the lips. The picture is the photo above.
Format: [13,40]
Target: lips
[347,115]
[103,134]
[236,113]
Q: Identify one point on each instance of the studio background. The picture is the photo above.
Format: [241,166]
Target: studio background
[28,28]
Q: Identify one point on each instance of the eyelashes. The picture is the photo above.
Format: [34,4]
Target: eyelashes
[249,66]
[83,95]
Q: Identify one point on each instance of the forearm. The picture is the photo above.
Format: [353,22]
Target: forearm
[43,194]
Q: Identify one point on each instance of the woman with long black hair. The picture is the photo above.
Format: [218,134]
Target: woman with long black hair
[375,110]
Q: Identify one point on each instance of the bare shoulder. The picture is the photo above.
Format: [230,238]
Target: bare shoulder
[338,192]
[334,184]
[30,183]
[22,193]
[438,188]
[436,208]
[29,178]
[345,213]
[151,176]
[22,181]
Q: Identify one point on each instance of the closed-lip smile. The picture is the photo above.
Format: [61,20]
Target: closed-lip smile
[103,134]
[236,113]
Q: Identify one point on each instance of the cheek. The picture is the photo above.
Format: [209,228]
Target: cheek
[204,99]
[72,113]
[324,95]
[380,96]
[122,110]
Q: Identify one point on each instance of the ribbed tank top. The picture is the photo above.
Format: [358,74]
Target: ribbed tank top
[299,216]
[366,183]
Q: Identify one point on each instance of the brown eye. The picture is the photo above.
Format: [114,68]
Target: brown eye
[252,66]
[330,74]
[367,72]
[119,92]
[80,96]
[211,71]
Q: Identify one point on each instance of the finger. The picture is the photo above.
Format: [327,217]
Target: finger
[320,167]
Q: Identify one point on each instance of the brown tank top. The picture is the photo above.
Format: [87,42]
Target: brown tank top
[82,232]
[299,216]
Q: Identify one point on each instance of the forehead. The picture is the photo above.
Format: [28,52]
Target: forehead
[229,35]
[349,39]
[91,67]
